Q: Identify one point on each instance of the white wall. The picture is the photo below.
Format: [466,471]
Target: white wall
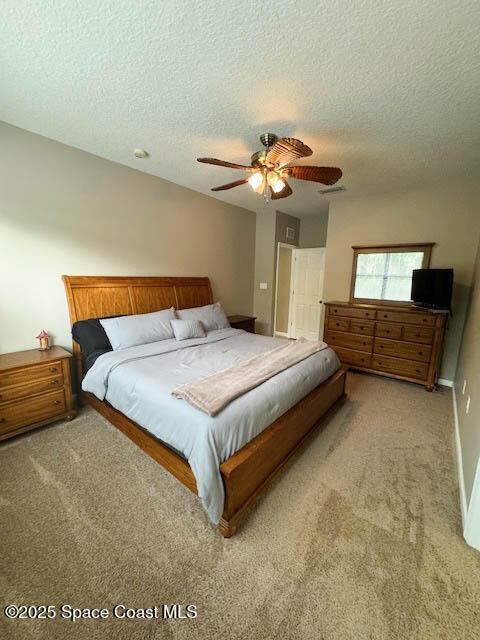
[64,211]
[448,216]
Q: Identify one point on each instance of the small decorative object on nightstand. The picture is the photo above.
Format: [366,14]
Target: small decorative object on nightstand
[44,339]
[35,389]
[247,323]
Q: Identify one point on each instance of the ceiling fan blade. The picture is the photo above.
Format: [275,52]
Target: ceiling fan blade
[230,185]
[284,193]
[286,150]
[224,163]
[324,175]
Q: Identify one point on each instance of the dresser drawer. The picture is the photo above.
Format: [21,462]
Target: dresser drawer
[411,351]
[418,334]
[407,318]
[365,327]
[339,324]
[400,367]
[353,312]
[387,330]
[349,340]
[349,356]
[30,389]
[25,412]
[29,374]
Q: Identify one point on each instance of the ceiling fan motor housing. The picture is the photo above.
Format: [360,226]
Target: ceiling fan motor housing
[268,139]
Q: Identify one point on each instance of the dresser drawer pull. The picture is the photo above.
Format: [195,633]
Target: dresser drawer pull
[367,314]
[417,371]
[337,324]
[365,343]
[57,402]
[2,420]
[387,331]
[381,346]
[425,320]
[54,382]
[335,311]
[417,335]
[420,353]
[385,315]
[53,369]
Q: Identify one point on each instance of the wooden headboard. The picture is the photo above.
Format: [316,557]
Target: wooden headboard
[100,296]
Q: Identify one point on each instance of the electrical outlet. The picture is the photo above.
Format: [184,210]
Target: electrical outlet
[467,406]
[263,285]
[464,387]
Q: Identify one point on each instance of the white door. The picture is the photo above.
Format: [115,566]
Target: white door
[307,294]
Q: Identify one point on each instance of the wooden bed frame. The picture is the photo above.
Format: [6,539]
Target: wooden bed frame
[248,472]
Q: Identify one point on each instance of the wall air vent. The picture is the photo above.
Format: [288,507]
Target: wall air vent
[328,190]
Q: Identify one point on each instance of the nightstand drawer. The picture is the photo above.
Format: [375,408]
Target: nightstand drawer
[25,412]
[30,389]
[30,374]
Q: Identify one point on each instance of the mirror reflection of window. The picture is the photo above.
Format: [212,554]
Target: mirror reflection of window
[385,273]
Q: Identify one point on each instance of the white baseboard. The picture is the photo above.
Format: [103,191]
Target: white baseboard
[470,511]
[282,334]
[458,447]
[445,383]
[471,533]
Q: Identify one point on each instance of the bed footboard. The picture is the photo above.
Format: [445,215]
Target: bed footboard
[248,472]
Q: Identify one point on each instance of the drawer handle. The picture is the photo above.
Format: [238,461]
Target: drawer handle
[424,319]
[381,346]
[420,353]
[385,315]
[387,331]
[2,420]
[380,362]
[57,402]
[335,311]
[53,369]
[53,382]
[367,314]
[417,335]
[417,370]
[365,343]
[361,328]
[337,324]
[362,359]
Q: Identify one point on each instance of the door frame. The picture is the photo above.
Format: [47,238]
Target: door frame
[290,247]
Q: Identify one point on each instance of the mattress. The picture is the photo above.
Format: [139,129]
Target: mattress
[138,382]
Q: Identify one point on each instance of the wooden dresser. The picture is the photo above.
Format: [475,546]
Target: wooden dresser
[35,389]
[399,342]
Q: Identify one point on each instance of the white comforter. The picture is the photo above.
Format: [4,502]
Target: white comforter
[138,382]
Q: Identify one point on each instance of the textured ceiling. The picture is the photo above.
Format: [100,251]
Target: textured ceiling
[389,90]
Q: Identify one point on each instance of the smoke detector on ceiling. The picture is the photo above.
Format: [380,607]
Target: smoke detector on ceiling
[140,153]
[329,190]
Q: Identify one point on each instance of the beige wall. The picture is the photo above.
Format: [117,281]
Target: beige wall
[66,211]
[448,216]
[469,370]
[313,230]
[284,272]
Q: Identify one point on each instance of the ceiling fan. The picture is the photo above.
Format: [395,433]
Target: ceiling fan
[270,168]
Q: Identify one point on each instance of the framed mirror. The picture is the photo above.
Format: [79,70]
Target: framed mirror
[383,274]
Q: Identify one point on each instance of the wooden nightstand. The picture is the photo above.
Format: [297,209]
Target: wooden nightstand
[35,389]
[247,323]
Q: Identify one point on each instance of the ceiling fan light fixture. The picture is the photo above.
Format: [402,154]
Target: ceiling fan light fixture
[275,182]
[255,180]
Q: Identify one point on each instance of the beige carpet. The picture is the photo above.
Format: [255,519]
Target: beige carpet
[359,538]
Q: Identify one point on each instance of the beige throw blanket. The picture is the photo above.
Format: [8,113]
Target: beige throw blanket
[212,394]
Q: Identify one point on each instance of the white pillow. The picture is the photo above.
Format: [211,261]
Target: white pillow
[129,331]
[184,329]
[212,316]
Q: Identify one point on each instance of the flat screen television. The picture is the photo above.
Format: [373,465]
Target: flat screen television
[432,288]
